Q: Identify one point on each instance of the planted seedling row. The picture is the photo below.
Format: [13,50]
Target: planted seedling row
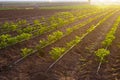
[57,53]
[7,40]
[58,34]
[8,27]
[25,50]
[102,53]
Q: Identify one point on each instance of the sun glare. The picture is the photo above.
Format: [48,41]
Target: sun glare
[102,2]
[105,1]
[50,0]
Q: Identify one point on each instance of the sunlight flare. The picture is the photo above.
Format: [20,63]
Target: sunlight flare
[105,1]
[50,0]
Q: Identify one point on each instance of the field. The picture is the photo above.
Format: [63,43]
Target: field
[60,43]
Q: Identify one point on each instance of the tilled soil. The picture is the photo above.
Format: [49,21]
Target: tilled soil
[111,69]
[79,64]
[12,53]
[13,15]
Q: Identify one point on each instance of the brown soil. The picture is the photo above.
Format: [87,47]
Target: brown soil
[111,69]
[79,64]
[15,33]
[12,53]
[13,15]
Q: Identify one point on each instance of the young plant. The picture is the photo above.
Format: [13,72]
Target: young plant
[55,36]
[106,42]
[4,37]
[102,53]
[56,52]
[73,42]
[43,43]
[25,51]
[28,29]
[69,30]
[22,22]
[110,36]
[3,40]
[42,30]
[51,38]
[5,25]
[12,40]
[13,26]
[9,26]
[23,36]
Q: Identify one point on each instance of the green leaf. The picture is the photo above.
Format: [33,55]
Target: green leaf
[102,53]
[56,52]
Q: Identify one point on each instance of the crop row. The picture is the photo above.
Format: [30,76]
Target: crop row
[78,39]
[102,53]
[36,23]
[7,40]
[58,52]
[58,35]
[14,26]
[26,52]
[33,17]
[54,20]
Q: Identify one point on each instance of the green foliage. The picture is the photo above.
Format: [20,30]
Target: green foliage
[23,36]
[12,40]
[27,29]
[43,43]
[22,22]
[110,36]
[73,42]
[51,38]
[5,25]
[56,52]
[59,19]
[107,42]
[37,23]
[102,53]
[3,40]
[13,26]
[56,35]
[26,51]
[42,19]
[41,30]
[69,30]
[6,40]
[3,44]
[9,26]
[76,27]
[4,37]
[53,25]
[91,28]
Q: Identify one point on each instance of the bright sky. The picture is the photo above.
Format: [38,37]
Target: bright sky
[43,0]
[67,0]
